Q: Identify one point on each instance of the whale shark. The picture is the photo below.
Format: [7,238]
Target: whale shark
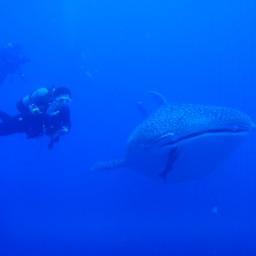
[182,142]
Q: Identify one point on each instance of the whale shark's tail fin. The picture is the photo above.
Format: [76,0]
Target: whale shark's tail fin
[109,165]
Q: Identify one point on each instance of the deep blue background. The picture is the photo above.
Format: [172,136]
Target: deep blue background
[110,53]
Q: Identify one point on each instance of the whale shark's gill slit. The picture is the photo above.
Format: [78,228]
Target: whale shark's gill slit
[202,133]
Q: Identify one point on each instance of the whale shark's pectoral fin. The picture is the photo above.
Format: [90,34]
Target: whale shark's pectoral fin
[110,165]
[172,157]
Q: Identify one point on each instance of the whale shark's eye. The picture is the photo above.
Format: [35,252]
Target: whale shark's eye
[241,127]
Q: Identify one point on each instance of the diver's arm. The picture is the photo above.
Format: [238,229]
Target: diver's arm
[63,127]
[63,130]
[54,138]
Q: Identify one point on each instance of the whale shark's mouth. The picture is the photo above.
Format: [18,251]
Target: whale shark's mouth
[169,139]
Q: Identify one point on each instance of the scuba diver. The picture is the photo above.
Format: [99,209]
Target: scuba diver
[43,112]
[11,60]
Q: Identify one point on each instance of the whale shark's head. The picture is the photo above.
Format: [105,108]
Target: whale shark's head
[174,124]
[178,126]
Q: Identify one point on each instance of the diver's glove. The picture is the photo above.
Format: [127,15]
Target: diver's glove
[64,130]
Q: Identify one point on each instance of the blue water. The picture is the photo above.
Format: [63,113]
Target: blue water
[110,53]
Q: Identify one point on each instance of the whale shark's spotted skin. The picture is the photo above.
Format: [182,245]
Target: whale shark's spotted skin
[184,120]
[159,136]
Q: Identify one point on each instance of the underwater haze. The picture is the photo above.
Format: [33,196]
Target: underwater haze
[110,54]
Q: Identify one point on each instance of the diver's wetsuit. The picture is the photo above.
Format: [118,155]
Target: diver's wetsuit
[32,126]
[54,123]
[44,122]
[10,124]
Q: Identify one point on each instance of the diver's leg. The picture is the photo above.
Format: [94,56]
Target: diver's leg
[10,125]
[4,116]
[5,129]
[5,123]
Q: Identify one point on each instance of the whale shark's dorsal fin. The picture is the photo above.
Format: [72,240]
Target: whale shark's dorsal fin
[159,99]
[109,165]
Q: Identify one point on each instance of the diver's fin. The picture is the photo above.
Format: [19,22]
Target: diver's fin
[160,99]
[172,156]
[110,165]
